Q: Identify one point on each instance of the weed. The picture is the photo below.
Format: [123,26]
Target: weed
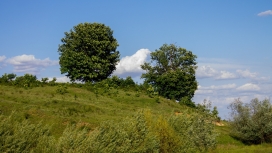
[75,97]
[157,99]
[62,89]
[137,94]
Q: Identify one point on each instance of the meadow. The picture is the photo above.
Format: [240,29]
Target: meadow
[65,111]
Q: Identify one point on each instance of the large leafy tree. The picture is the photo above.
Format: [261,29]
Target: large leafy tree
[172,72]
[88,52]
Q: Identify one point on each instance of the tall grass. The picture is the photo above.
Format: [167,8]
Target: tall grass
[142,132]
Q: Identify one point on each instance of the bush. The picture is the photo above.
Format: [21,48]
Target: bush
[28,80]
[17,135]
[187,101]
[53,81]
[62,89]
[251,123]
[195,130]
[145,132]
[7,78]
[130,135]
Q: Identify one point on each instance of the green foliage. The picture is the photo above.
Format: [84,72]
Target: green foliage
[88,52]
[142,132]
[53,81]
[215,114]
[28,80]
[44,80]
[147,133]
[130,135]
[187,101]
[11,76]
[7,78]
[62,89]
[117,82]
[128,82]
[17,135]
[251,123]
[74,140]
[196,131]
[172,72]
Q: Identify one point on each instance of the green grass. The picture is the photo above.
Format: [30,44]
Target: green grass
[227,144]
[78,105]
[86,108]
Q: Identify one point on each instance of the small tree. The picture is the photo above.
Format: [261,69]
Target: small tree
[7,78]
[88,52]
[44,80]
[251,123]
[172,72]
[215,114]
[28,80]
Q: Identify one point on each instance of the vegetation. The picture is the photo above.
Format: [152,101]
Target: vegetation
[112,114]
[105,116]
[251,123]
[88,52]
[172,73]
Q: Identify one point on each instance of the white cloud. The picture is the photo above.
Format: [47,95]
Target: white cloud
[219,63]
[226,75]
[132,64]
[249,87]
[220,87]
[265,13]
[29,64]
[246,74]
[2,58]
[208,72]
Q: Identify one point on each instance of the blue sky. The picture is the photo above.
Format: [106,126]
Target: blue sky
[232,39]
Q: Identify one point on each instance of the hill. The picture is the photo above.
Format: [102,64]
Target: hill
[79,105]
[61,105]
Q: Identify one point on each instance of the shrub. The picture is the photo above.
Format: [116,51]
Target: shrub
[187,101]
[62,89]
[7,78]
[53,81]
[195,130]
[17,135]
[44,80]
[28,80]
[130,135]
[251,123]
[74,140]
[145,132]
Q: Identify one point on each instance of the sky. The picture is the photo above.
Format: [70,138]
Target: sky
[232,40]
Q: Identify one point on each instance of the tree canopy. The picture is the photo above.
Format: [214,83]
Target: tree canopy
[88,52]
[172,72]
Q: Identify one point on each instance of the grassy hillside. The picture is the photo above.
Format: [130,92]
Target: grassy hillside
[89,108]
[79,105]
